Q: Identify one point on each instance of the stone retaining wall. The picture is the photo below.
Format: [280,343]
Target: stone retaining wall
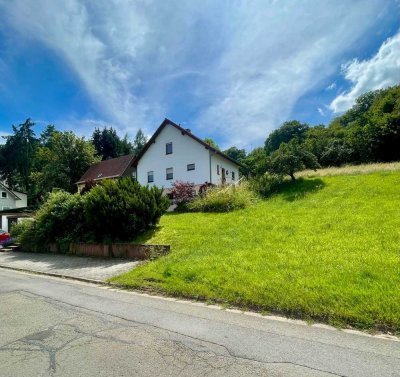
[115,250]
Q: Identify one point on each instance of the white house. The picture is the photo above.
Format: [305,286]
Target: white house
[13,205]
[174,154]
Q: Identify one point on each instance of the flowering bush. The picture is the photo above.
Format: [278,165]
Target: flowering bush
[183,192]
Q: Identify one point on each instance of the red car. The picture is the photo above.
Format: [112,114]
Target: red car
[4,236]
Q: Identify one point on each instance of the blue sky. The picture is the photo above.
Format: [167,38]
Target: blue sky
[231,70]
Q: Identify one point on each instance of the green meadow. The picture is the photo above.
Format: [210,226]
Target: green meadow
[326,248]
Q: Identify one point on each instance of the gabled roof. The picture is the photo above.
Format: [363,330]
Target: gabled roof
[184,131]
[112,168]
[12,192]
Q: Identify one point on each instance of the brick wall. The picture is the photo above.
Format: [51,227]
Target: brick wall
[116,250]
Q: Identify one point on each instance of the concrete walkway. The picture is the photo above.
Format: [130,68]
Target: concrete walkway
[67,265]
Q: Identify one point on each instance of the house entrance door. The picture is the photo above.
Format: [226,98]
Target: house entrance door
[11,222]
[223,176]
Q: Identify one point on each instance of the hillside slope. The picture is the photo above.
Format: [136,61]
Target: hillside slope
[326,248]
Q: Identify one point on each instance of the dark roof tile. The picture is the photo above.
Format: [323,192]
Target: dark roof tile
[113,168]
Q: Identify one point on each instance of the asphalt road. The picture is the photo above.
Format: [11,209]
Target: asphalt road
[55,327]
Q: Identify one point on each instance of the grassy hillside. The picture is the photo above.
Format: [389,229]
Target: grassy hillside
[327,248]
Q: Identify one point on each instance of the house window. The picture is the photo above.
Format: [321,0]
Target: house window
[218,169]
[191,167]
[233,176]
[170,173]
[150,176]
[168,148]
[4,194]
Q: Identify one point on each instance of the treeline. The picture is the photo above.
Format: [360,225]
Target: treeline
[37,164]
[368,132]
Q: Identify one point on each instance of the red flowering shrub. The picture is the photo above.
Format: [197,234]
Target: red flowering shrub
[183,192]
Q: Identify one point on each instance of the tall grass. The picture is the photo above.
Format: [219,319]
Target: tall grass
[351,169]
[223,199]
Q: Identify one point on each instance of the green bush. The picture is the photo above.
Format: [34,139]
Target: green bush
[115,210]
[266,184]
[223,199]
[22,233]
[122,209]
[60,218]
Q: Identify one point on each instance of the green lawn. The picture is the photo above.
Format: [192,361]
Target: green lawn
[326,248]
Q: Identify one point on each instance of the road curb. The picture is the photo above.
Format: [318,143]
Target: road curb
[62,276]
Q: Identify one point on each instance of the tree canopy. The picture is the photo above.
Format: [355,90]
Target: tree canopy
[211,143]
[63,163]
[290,158]
[288,131]
[139,142]
[17,156]
[109,145]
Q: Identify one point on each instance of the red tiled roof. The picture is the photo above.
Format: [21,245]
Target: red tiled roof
[113,168]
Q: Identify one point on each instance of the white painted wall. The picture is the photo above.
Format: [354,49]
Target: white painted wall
[185,151]
[10,202]
[23,202]
[4,221]
[227,165]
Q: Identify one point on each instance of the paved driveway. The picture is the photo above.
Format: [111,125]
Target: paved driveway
[80,267]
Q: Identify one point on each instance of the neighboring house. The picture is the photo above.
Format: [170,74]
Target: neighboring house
[108,169]
[174,154]
[13,207]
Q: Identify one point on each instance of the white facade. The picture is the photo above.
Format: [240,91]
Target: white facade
[154,166]
[223,168]
[11,199]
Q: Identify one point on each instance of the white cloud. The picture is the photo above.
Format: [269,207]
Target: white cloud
[321,111]
[101,54]
[241,66]
[267,66]
[331,87]
[381,71]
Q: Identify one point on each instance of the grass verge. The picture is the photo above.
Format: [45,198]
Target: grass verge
[326,249]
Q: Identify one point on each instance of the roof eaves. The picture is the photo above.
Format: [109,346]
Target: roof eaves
[167,121]
[10,191]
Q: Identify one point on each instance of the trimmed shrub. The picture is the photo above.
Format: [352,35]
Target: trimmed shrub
[223,199]
[115,210]
[122,209]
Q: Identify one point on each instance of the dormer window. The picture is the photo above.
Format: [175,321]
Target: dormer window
[168,148]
